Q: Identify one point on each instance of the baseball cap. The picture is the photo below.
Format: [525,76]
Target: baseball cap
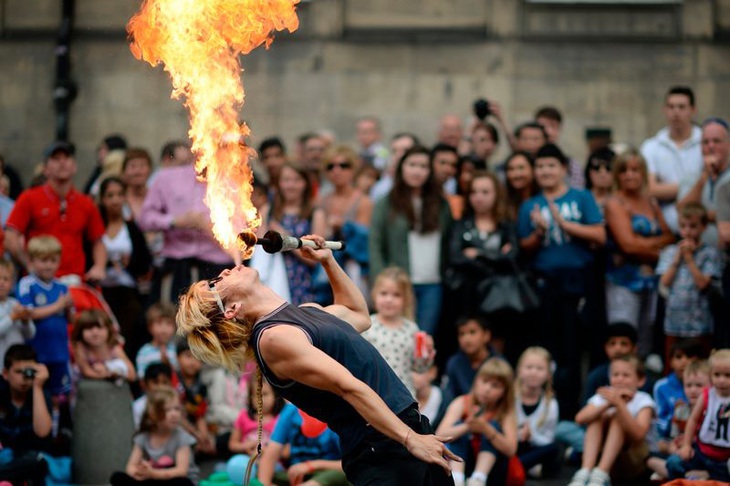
[59,146]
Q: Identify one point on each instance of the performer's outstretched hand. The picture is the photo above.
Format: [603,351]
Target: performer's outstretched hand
[432,449]
[319,255]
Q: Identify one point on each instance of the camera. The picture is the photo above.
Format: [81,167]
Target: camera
[29,373]
[481,109]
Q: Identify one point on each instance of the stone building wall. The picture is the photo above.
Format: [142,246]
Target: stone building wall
[407,61]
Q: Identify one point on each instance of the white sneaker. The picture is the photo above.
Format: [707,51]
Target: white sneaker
[475,482]
[599,478]
[535,471]
[580,478]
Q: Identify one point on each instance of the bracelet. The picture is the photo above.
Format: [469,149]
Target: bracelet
[405,442]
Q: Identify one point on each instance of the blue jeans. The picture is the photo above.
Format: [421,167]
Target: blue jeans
[677,468]
[462,447]
[571,434]
[428,306]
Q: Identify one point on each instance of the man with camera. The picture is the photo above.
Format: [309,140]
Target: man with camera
[25,420]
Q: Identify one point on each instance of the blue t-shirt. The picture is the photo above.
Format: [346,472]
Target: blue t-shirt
[51,337]
[288,430]
[559,250]
[666,393]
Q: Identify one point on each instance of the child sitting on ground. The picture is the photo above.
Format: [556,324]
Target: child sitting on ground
[537,413]
[474,335]
[162,451]
[709,448]
[161,326]
[618,419]
[429,396]
[620,341]
[314,452]
[669,391]
[155,376]
[194,397]
[486,414]
[696,378]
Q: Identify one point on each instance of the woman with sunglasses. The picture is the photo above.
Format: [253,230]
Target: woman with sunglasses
[347,209]
[317,359]
[637,233]
[599,179]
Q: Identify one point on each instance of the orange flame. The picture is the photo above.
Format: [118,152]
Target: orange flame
[199,43]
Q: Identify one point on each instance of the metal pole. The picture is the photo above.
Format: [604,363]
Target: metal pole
[64,89]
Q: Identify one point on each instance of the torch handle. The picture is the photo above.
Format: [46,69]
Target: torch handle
[274,242]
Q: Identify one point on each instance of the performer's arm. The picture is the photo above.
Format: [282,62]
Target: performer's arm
[289,354]
[349,303]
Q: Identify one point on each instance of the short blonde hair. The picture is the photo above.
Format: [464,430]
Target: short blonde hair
[212,337]
[719,355]
[44,246]
[697,367]
[403,281]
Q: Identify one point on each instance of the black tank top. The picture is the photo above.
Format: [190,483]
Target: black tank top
[342,342]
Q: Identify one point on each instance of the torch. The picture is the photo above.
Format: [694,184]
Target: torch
[274,242]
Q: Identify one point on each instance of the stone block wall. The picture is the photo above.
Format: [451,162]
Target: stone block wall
[408,62]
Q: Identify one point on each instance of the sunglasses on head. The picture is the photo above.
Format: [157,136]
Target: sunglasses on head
[341,165]
[211,287]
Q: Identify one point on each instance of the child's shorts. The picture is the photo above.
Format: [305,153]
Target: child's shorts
[59,378]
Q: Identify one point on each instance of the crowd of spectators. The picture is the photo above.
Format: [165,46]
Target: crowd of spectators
[519,271]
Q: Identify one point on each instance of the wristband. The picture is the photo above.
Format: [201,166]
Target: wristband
[405,442]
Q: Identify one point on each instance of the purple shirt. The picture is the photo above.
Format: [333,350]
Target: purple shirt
[176,191]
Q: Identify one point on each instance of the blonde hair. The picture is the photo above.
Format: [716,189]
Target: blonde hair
[621,161]
[212,337]
[44,246]
[154,412]
[499,370]
[719,355]
[343,151]
[547,387]
[403,282]
[697,367]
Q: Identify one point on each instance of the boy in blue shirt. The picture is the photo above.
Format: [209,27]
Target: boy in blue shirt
[558,229]
[314,453]
[670,389]
[49,302]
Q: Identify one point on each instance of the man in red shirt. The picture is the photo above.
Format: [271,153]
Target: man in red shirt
[56,208]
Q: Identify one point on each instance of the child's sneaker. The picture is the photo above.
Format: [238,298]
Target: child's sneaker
[535,471]
[599,478]
[580,478]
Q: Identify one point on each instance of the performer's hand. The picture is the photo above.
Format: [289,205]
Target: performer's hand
[431,449]
[319,255]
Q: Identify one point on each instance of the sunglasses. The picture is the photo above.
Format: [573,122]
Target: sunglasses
[341,165]
[596,165]
[211,287]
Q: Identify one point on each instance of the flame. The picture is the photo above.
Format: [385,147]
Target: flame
[199,43]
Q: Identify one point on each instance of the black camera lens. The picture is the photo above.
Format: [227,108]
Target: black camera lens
[481,108]
[29,373]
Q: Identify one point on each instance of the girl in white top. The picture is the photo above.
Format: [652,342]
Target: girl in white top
[617,419]
[392,331]
[537,412]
